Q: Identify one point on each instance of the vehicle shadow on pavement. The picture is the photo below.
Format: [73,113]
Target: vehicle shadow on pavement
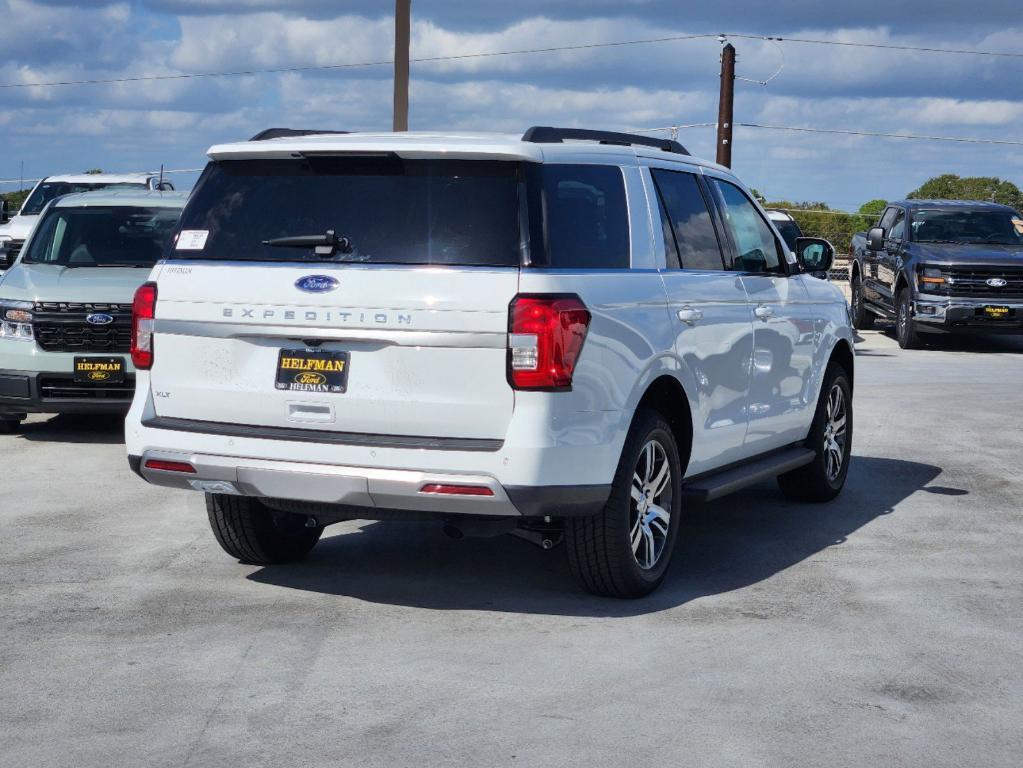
[731,544]
[75,428]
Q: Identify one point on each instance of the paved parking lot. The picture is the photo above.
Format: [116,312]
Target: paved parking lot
[883,629]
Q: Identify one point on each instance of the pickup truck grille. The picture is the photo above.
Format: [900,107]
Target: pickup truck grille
[973,283]
[61,327]
[14,248]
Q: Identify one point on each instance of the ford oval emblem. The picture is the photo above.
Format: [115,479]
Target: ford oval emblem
[996,282]
[99,318]
[316,283]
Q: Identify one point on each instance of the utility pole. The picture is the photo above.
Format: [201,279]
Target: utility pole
[726,102]
[402,33]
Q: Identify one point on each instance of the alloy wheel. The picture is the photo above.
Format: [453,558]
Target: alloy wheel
[835,418]
[650,505]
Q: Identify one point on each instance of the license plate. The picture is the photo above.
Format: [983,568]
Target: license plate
[996,313]
[305,370]
[99,370]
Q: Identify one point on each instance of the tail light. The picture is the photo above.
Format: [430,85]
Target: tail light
[143,314]
[546,335]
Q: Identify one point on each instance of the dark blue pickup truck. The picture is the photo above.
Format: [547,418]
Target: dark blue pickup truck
[940,266]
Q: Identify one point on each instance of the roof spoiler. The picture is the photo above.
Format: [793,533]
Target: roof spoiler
[280,133]
[540,134]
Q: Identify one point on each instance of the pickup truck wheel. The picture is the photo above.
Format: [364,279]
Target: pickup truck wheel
[831,438]
[625,550]
[905,325]
[254,533]
[862,318]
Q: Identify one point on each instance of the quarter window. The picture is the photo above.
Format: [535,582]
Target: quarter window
[689,226]
[585,217]
[755,243]
[898,230]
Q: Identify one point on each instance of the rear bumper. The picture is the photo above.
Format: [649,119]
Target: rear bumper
[956,314]
[368,491]
[48,392]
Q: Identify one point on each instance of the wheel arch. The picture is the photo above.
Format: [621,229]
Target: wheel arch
[666,395]
[842,353]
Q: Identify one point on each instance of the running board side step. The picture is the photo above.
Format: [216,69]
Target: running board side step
[714,486]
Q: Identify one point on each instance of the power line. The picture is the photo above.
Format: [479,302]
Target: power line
[117,173]
[355,65]
[885,46]
[959,139]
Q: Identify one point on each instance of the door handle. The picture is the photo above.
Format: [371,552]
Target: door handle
[763,312]
[689,315]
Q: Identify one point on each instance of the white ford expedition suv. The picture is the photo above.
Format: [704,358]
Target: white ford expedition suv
[565,334]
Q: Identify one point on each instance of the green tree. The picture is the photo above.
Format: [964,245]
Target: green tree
[873,207]
[15,199]
[948,186]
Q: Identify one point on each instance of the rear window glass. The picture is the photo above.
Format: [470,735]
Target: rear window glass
[51,190]
[584,214]
[392,211]
[100,236]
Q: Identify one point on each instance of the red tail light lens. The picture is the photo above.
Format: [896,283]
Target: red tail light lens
[143,315]
[546,336]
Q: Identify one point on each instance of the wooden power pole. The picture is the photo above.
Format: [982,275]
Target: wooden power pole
[402,33]
[726,103]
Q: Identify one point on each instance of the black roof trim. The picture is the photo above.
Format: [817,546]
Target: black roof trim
[280,133]
[542,134]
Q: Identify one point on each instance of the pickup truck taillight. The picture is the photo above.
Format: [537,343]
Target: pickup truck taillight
[545,336]
[143,314]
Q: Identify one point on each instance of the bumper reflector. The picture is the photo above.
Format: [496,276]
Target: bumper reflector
[170,466]
[457,490]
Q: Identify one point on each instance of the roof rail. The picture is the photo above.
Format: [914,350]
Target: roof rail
[278,133]
[541,134]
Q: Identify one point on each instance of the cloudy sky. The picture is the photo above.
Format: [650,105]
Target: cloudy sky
[138,126]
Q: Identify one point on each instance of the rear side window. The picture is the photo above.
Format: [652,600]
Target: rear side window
[391,210]
[579,217]
[691,227]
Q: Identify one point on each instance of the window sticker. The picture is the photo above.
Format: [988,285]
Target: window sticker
[192,239]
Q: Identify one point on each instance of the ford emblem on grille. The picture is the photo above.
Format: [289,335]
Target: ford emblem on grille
[996,282]
[99,318]
[316,283]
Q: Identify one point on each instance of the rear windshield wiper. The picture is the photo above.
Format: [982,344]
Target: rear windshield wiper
[326,245]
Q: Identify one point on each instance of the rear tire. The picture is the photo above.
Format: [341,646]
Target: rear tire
[831,438]
[625,550]
[254,533]
[905,326]
[862,318]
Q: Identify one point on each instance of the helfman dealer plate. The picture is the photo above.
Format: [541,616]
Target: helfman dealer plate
[304,370]
[99,370]
[996,313]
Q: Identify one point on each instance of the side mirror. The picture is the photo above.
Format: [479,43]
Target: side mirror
[4,218]
[814,254]
[875,239]
[5,257]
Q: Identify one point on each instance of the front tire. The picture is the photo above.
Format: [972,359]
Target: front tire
[625,550]
[905,326]
[254,533]
[10,425]
[831,438]
[862,318]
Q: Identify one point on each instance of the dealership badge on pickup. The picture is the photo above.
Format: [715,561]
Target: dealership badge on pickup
[305,370]
[996,313]
[99,370]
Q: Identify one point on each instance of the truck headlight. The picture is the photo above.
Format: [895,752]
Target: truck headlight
[16,320]
[932,279]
